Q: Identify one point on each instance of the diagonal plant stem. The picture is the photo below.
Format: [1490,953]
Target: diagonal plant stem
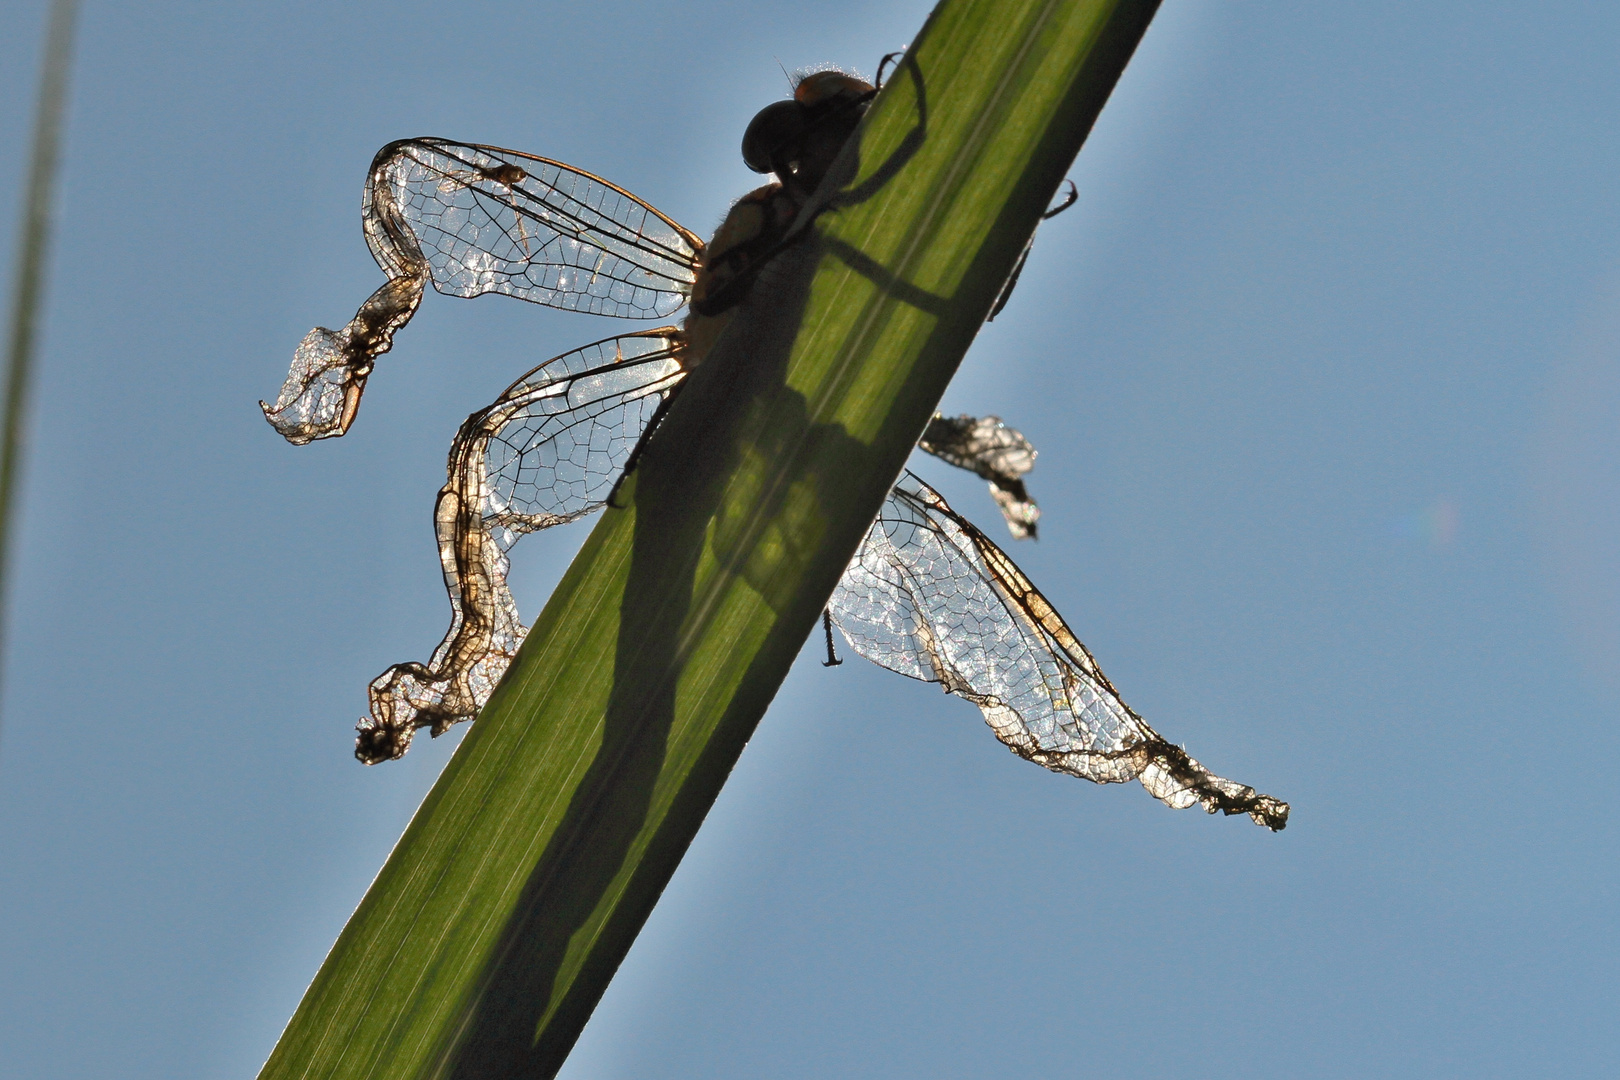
[29,280]
[495,926]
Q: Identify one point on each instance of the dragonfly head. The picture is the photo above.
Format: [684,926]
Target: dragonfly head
[798,139]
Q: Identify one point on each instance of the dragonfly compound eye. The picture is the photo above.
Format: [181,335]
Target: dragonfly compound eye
[771,135]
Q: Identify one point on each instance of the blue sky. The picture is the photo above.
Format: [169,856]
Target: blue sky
[1324,369]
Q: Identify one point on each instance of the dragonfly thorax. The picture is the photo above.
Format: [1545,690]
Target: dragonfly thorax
[753,229]
[797,140]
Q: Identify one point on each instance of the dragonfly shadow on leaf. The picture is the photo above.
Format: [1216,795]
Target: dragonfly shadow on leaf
[711,484]
[840,197]
[890,283]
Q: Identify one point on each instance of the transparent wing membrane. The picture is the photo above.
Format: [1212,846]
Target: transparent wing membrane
[494,220]
[548,451]
[476,219]
[930,596]
[997,453]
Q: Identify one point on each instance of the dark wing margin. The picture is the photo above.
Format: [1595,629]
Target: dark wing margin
[995,452]
[930,596]
[475,219]
[547,452]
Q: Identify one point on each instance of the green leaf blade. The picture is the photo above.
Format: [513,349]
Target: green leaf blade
[492,931]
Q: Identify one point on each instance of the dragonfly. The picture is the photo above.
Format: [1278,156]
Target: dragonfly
[927,594]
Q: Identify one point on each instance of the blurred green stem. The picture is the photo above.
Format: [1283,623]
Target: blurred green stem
[29,278]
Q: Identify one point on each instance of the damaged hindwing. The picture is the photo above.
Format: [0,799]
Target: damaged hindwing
[930,596]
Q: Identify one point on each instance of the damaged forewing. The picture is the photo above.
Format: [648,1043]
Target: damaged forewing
[995,452]
[470,220]
[547,452]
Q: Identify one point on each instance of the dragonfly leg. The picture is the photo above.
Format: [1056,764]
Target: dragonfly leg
[826,624]
[641,444]
[883,66]
[1018,268]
